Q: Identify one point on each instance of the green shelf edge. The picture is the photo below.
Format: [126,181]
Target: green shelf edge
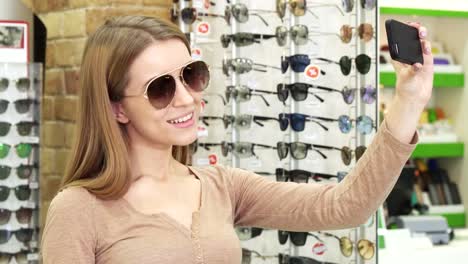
[441,80]
[455,220]
[422,12]
[439,150]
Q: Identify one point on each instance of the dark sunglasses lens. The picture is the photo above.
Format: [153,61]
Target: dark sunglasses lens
[246,256]
[282,236]
[4,128]
[281,35]
[22,258]
[243,39]
[24,128]
[4,172]
[364,125]
[298,122]
[196,75]
[280,175]
[161,91]
[189,15]
[4,84]
[368,4]
[283,121]
[282,149]
[299,62]
[348,5]
[5,235]
[4,193]
[345,65]
[225,147]
[369,94]
[4,216]
[3,106]
[24,235]
[24,171]
[298,238]
[298,150]
[344,122]
[363,63]
[225,40]
[22,106]
[240,13]
[348,95]
[23,84]
[346,155]
[23,192]
[256,231]
[360,151]
[300,176]
[282,91]
[23,215]
[299,91]
[284,64]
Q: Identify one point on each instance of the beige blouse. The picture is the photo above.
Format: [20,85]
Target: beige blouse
[83,229]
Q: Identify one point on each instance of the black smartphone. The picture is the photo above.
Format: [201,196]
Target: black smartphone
[403,42]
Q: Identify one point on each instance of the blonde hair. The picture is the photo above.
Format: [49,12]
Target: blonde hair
[100,161]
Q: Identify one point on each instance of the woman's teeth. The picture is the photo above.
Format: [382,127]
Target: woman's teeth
[182,119]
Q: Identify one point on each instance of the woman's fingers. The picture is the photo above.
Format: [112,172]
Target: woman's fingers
[422,30]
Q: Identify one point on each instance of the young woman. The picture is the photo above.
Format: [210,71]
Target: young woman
[129,196]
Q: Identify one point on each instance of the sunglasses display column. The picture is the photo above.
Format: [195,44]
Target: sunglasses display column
[20,92]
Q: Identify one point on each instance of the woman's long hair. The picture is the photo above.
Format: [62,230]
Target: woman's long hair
[100,161]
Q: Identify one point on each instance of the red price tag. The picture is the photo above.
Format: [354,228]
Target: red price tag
[319,248]
[312,72]
[196,54]
[203,28]
[213,159]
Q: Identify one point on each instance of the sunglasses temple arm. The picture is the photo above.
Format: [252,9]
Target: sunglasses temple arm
[318,97]
[328,89]
[314,235]
[263,98]
[318,123]
[255,119]
[312,13]
[261,18]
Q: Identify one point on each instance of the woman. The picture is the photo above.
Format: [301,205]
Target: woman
[128,195]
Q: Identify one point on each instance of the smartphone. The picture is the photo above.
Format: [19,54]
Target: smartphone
[403,42]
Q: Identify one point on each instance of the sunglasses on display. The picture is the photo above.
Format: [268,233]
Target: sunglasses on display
[365,31]
[368,4]
[246,233]
[299,35]
[300,176]
[218,95]
[287,259]
[242,39]
[365,248]
[160,90]
[22,192]
[20,258]
[241,13]
[23,150]
[364,124]
[23,235]
[23,171]
[22,84]
[298,63]
[242,149]
[243,93]
[299,150]
[22,105]
[243,65]
[297,238]
[207,146]
[248,254]
[243,121]
[363,63]
[298,121]
[23,128]
[23,216]
[347,155]
[190,14]
[299,7]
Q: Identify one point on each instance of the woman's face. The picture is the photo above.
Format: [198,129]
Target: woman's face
[160,127]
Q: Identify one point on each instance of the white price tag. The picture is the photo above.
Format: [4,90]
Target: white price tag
[30,204]
[34,185]
[33,244]
[203,161]
[254,163]
[203,28]
[198,3]
[32,256]
[202,132]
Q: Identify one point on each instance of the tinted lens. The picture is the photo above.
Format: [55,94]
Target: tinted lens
[246,256]
[366,249]
[24,171]
[298,150]
[22,106]
[284,64]
[299,91]
[360,151]
[368,4]
[299,62]
[4,193]
[366,32]
[298,7]
[161,91]
[281,7]
[4,149]
[369,94]
[3,84]
[4,172]
[282,236]
[22,258]
[243,39]
[346,33]
[23,150]
[3,106]
[298,238]
[227,14]
[347,5]
[281,35]
[282,91]
[364,124]
[243,149]
[300,34]
[283,121]
[282,149]
[298,122]
[4,128]
[24,235]
[5,236]
[23,192]
[23,84]
[348,95]
[346,155]
[346,246]
[23,215]
[341,175]
[281,175]
[300,176]
[225,40]
[196,75]
[240,13]
[241,65]
[345,65]
[363,63]
[189,15]
[24,128]
[4,216]
[244,233]
[256,231]
[344,122]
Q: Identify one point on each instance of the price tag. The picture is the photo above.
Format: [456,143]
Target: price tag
[203,28]
[319,249]
[196,54]
[30,204]
[32,256]
[312,72]
[202,161]
[202,132]
[34,185]
[213,159]
[254,163]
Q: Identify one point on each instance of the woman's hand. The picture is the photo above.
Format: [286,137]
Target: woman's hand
[413,92]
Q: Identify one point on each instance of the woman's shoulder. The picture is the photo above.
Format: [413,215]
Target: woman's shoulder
[73,199]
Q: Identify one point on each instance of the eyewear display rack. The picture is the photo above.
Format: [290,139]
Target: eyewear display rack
[323,21]
[20,97]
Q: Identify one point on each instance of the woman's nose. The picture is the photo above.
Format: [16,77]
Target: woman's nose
[183,95]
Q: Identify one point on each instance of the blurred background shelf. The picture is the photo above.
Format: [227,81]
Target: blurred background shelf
[422,12]
[455,214]
[439,150]
[447,76]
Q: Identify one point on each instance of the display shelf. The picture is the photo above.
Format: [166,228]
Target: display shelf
[439,150]
[422,12]
[455,214]
[444,76]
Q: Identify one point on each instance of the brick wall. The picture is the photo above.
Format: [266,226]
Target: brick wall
[69,23]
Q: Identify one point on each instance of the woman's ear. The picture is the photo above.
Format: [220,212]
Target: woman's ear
[119,113]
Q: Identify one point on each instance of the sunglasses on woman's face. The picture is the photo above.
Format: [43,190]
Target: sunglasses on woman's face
[23,150]
[190,14]
[365,32]
[364,124]
[23,216]
[299,150]
[366,248]
[23,171]
[298,121]
[20,258]
[363,63]
[242,149]
[240,12]
[241,121]
[300,176]
[243,93]
[297,238]
[22,84]
[22,235]
[246,233]
[298,63]
[22,192]
[242,39]
[299,7]
[22,105]
[23,128]
[160,90]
